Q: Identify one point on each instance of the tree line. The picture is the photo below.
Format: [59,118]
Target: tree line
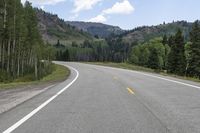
[171,53]
[21,45]
[174,54]
[94,50]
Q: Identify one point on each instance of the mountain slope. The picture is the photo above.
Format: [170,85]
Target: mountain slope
[146,33]
[102,30]
[53,29]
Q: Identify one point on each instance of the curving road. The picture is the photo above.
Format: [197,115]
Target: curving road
[97,99]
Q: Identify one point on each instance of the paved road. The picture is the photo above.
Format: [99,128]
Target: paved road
[98,99]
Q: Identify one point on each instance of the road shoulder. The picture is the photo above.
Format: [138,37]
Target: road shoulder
[12,97]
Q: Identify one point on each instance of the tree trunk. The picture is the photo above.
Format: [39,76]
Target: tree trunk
[8,59]
[0,50]
[36,68]
[5,15]
[3,57]
[14,42]
[4,27]
[18,60]
[22,64]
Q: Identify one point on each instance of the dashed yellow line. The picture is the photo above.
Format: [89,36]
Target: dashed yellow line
[115,78]
[131,91]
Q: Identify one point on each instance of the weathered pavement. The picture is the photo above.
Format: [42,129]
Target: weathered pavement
[109,100]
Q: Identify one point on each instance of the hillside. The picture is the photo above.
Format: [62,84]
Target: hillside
[102,30]
[146,33]
[53,28]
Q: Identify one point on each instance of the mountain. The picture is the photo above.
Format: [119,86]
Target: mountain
[52,29]
[145,33]
[99,29]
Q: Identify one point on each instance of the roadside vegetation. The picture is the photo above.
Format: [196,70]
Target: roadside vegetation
[25,57]
[129,66]
[59,73]
[21,45]
[173,54]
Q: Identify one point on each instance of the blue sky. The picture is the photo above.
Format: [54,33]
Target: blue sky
[124,13]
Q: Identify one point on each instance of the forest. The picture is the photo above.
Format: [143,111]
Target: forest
[170,53]
[109,50]
[173,53]
[23,53]
[22,50]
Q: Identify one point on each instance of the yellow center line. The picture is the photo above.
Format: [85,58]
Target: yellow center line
[131,91]
[115,78]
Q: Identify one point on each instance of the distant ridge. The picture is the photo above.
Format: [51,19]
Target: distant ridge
[145,33]
[96,29]
[53,29]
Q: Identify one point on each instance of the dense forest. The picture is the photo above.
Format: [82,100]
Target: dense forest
[94,50]
[172,53]
[21,45]
[23,52]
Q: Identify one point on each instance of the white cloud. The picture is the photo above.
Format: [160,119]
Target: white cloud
[42,7]
[100,18]
[81,5]
[44,2]
[73,17]
[123,7]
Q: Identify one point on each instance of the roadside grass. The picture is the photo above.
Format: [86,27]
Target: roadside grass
[140,68]
[60,73]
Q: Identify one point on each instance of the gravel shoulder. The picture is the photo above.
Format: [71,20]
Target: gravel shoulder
[10,98]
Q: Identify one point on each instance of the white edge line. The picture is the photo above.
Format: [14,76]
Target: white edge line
[28,116]
[149,75]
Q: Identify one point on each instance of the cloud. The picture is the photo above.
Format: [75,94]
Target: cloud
[42,7]
[100,18]
[81,5]
[72,18]
[44,2]
[123,7]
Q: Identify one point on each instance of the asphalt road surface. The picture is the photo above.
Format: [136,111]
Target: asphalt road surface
[97,99]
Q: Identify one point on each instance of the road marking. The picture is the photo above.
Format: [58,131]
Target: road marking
[174,81]
[115,78]
[131,91]
[153,76]
[25,118]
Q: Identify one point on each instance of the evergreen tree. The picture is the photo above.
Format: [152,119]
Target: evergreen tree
[153,61]
[165,42]
[194,61]
[176,59]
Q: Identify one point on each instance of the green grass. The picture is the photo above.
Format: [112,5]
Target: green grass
[140,68]
[60,73]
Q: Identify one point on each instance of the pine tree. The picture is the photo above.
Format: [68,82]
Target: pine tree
[165,43]
[176,58]
[165,40]
[194,62]
[153,61]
